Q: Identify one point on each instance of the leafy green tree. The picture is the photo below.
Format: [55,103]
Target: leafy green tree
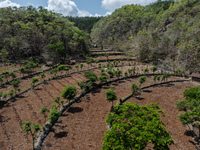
[135,89]
[118,73]
[111,96]
[43,75]
[81,65]
[146,70]
[103,78]
[53,116]
[11,92]
[43,111]
[158,78]
[142,79]
[111,73]
[82,85]
[134,126]
[90,75]
[99,65]
[154,69]
[69,92]
[15,84]
[22,70]
[76,66]
[31,128]
[106,55]
[1,80]
[6,74]
[34,80]
[12,74]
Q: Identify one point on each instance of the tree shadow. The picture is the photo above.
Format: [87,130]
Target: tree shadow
[2,104]
[38,89]
[139,98]
[98,90]
[61,134]
[120,81]
[147,91]
[75,110]
[192,134]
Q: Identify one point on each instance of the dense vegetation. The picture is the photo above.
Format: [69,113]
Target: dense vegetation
[191,106]
[37,33]
[84,23]
[164,30]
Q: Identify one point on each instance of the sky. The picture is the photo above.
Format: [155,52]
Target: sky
[76,7]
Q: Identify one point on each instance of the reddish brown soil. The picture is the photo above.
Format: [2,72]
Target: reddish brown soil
[166,96]
[83,125]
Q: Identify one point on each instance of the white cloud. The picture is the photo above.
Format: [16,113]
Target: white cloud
[66,7]
[8,3]
[111,5]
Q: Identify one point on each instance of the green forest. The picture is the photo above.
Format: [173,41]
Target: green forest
[164,32]
[36,33]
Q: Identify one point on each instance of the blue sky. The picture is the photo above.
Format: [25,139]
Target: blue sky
[76,7]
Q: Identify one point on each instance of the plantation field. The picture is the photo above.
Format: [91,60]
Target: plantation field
[82,125]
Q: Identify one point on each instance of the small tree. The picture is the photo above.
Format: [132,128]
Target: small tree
[158,78]
[43,111]
[1,80]
[53,116]
[111,96]
[11,92]
[111,73]
[12,74]
[97,61]
[22,70]
[81,65]
[154,69]
[31,128]
[69,92]
[106,55]
[99,65]
[135,89]
[142,79]
[43,75]
[103,78]
[118,73]
[6,74]
[76,66]
[34,80]
[15,84]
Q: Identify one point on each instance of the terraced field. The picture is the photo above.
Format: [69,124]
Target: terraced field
[82,126]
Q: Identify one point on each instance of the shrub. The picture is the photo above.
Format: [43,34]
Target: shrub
[53,116]
[111,96]
[69,92]
[34,80]
[142,79]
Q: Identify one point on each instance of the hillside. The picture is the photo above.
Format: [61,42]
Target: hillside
[36,33]
[84,23]
[165,32]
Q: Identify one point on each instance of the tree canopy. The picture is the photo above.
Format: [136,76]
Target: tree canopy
[134,126]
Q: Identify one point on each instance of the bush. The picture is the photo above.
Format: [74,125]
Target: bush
[53,116]
[69,92]
[142,79]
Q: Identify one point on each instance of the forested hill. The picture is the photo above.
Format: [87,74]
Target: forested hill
[84,23]
[30,33]
[164,32]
